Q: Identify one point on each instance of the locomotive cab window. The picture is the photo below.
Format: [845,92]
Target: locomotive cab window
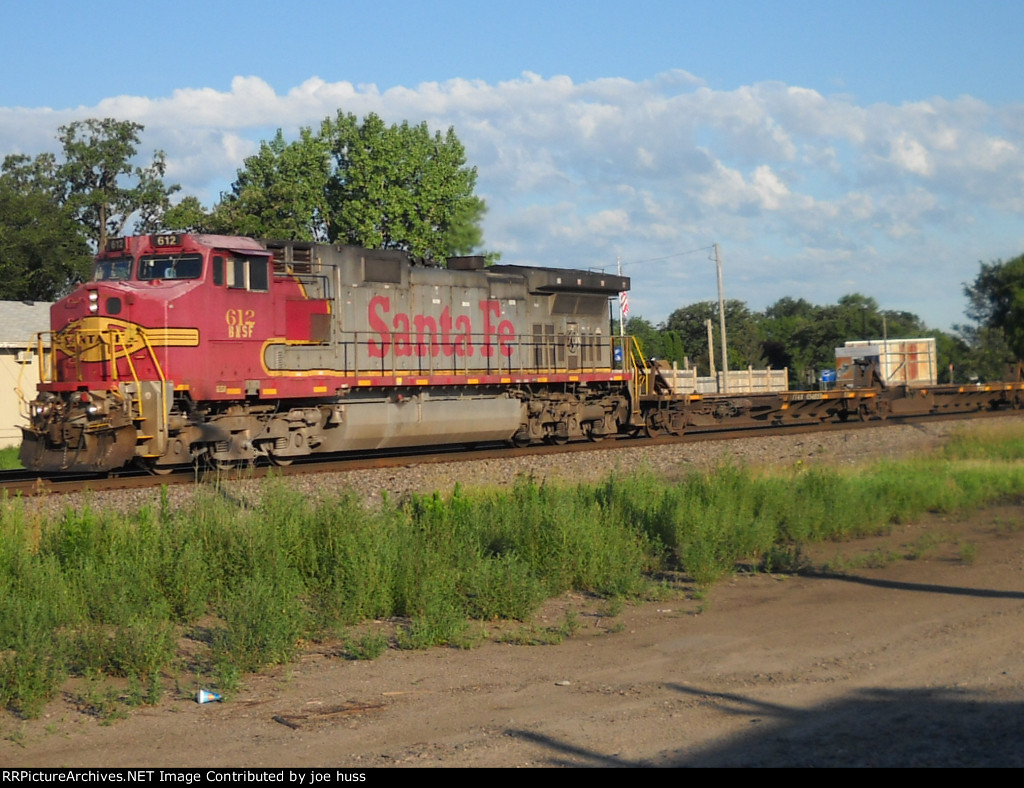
[248,273]
[170,266]
[117,269]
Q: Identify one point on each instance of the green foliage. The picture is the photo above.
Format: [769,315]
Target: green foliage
[985,444]
[98,158]
[791,333]
[188,216]
[281,192]
[689,324]
[99,594]
[51,211]
[264,619]
[968,552]
[43,251]
[996,303]
[357,182]
[401,187]
[368,646]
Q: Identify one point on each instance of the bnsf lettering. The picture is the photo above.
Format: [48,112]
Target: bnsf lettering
[241,323]
[423,335]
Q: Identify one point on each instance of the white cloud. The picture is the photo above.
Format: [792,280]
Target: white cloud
[911,155]
[577,173]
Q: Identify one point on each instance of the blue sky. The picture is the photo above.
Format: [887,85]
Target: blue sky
[829,147]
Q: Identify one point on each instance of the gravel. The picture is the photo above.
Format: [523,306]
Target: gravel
[844,448]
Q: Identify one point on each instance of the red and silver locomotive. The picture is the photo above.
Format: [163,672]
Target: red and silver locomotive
[227,349]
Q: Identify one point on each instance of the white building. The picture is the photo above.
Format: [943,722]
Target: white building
[20,321]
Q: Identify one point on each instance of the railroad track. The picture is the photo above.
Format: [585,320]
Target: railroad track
[30,484]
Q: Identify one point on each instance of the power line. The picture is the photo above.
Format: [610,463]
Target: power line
[670,256]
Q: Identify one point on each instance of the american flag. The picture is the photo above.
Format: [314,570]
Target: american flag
[624,304]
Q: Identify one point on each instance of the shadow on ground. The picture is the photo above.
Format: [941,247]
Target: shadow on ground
[932,728]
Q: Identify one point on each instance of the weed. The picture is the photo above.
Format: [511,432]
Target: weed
[570,625]
[17,735]
[368,646]
[104,594]
[611,607]
[469,638]
[423,633]
[879,558]
[968,552]
[533,636]
[102,701]
[29,676]
[787,559]
[9,459]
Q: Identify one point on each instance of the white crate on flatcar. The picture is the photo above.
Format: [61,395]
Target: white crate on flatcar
[908,362]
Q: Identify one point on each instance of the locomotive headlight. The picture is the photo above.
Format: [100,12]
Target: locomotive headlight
[94,298]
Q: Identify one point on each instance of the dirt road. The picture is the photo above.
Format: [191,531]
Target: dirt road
[912,655]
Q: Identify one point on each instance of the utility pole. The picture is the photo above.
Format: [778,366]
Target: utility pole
[721,323]
[711,348]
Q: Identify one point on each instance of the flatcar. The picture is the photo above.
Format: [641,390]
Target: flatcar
[186,348]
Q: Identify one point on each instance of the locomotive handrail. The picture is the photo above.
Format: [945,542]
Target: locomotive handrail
[117,339]
[355,357]
[643,378]
[115,346]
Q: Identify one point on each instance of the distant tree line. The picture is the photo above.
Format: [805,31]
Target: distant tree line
[405,187]
[801,336]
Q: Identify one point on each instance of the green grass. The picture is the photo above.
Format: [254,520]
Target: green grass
[222,588]
[9,459]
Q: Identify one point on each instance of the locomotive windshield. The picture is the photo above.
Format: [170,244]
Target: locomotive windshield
[170,266]
[117,268]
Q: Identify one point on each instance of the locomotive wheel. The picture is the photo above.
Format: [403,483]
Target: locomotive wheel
[654,424]
[218,464]
[279,461]
[159,470]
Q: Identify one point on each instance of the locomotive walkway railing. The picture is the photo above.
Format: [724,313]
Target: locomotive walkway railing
[360,353]
[105,346]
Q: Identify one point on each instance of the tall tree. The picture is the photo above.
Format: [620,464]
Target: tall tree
[649,338]
[188,216]
[363,183]
[43,251]
[401,187]
[996,304]
[97,162]
[744,342]
[281,192]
